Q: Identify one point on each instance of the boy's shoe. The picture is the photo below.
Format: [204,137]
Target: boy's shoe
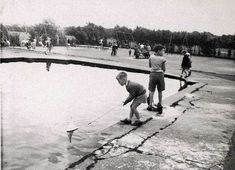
[183,87]
[137,123]
[189,73]
[126,121]
[159,108]
[151,108]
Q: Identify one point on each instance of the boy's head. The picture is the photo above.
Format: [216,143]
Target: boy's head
[159,49]
[122,78]
[184,52]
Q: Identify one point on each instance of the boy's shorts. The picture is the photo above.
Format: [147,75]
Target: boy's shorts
[140,99]
[156,79]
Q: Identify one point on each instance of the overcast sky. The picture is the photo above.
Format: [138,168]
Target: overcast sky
[215,16]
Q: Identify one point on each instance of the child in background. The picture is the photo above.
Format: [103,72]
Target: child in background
[186,65]
[137,93]
[48,45]
[186,72]
[130,52]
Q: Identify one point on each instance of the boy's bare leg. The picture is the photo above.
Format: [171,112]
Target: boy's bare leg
[160,97]
[151,95]
[131,114]
[134,110]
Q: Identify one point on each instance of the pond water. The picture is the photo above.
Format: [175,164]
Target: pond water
[38,106]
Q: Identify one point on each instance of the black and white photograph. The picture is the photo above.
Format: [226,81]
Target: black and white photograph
[117,85]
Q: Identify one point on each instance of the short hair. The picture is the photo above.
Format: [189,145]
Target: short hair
[158,47]
[121,75]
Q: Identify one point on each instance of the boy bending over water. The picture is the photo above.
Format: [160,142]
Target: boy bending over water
[137,93]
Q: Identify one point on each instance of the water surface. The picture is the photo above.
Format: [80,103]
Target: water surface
[38,106]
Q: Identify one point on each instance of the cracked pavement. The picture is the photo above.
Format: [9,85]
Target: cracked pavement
[193,134]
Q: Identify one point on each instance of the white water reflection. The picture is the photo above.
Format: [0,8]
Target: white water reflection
[38,106]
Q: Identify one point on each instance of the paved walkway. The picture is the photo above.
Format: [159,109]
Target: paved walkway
[194,132]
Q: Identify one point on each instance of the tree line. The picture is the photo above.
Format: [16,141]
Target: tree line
[91,34]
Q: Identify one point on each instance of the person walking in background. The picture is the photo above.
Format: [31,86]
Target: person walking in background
[137,94]
[186,70]
[157,64]
[114,49]
[186,65]
[48,45]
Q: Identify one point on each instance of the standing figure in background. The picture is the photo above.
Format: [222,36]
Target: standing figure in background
[114,49]
[129,51]
[48,45]
[28,44]
[137,52]
[34,44]
[186,72]
[186,65]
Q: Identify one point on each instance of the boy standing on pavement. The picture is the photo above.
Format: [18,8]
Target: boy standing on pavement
[157,64]
[137,93]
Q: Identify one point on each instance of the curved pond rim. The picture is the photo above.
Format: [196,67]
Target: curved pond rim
[93,63]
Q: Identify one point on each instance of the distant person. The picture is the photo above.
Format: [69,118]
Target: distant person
[40,44]
[101,43]
[148,48]
[130,52]
[145,52]
[114,49]
[186,71]
[219,52]
[137,93]
[157,64]
[8,43]
[34,44]
[48,45]
[229,53]
[186,65]
[28,44]
[137,52]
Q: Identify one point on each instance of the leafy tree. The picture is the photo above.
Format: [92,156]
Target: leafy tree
[47,29]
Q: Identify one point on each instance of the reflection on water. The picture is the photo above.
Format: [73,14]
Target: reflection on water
[38,106]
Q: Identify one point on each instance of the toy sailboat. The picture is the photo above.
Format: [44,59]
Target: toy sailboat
[70,129]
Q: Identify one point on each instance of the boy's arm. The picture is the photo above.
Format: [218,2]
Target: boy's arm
[164,67]
[128,99]
[149,62]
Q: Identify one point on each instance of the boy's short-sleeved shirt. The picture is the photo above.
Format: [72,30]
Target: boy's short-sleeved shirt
[157,63]
[186,62]
[135,89]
